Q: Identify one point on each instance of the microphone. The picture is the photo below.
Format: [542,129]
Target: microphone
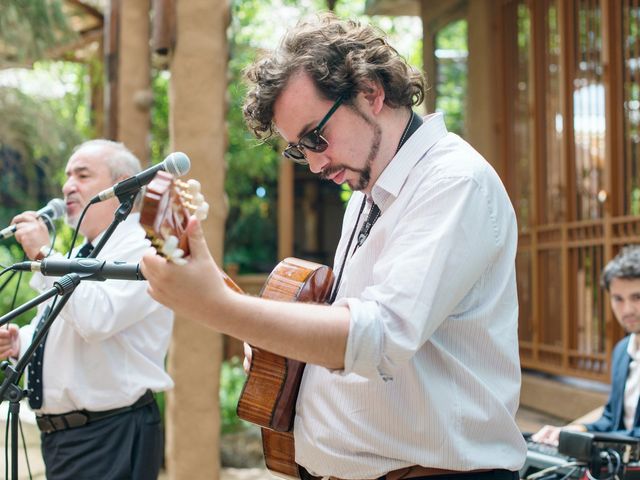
[87,268]
[56,208]
[176,163]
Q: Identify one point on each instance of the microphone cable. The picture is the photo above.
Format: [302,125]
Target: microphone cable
[52,228]
[77,229]
[614,465]
[551,472]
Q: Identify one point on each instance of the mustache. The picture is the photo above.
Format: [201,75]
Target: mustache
[325,174]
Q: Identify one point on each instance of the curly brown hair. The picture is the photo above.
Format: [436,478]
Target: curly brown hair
[342,57]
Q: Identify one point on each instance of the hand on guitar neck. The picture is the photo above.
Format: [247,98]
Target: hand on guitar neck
[269,396]
[167,206]
[197,289]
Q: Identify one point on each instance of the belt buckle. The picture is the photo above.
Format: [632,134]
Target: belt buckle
[76,419]
[57,422]
[44,424]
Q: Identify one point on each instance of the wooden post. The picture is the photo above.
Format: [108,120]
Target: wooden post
[285,209]
[111,48]
[428,58]
[480,114]
[197,127]
[134,78]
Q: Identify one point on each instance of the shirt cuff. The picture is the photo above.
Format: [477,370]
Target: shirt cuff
[364,354]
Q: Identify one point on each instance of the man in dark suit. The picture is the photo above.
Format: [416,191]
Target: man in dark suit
[621,277]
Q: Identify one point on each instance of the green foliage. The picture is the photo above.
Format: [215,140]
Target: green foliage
[634,208]
[451,84]
[232,379]
[29,27]
[38,133]
[10,253]
[250,236]
[17,291]
[251,233]
[159,143]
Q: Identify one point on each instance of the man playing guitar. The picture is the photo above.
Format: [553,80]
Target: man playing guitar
[413,370]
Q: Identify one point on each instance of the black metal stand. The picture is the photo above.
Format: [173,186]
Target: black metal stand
[10,390]
[120,215]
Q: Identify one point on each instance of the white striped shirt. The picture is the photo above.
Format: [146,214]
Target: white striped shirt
[432,373]
[109,343]
[632,385]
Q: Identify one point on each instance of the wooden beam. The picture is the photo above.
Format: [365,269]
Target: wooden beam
[285,209]
[94,12]
[163,37]
[69,50]
[111,48]
[134,78]
[197,95]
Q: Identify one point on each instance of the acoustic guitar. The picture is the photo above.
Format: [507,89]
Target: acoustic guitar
[166,207]
[268,398]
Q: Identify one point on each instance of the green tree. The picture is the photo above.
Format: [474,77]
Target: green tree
[451,82]
[251,178]
[29,28]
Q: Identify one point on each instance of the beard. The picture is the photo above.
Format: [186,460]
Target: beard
[364,173]
[71,221]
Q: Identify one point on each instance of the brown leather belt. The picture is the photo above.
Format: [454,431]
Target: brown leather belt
[78,418]
[407,472]
[419,471]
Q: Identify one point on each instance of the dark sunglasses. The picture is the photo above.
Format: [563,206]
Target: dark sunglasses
[312,140]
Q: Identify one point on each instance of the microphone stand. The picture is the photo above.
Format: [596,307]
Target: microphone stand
[10,390]
[120,215]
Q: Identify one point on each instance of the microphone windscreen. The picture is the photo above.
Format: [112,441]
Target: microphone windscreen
[177,163]
[58,207]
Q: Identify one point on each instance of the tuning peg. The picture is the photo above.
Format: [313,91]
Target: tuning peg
[171,251]
[170,246]
[202,211]
[177,257]
[193,186]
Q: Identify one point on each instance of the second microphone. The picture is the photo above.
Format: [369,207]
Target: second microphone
[87,268]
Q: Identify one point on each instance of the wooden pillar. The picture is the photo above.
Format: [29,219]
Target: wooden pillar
[285,209]
[134,78]
[428,56]
[111,64]
[95,67]
[197,127]
[481,127]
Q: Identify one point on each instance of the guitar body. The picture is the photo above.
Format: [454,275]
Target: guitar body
[269,396]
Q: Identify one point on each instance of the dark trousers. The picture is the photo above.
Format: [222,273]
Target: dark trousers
[125,446]
[490,475]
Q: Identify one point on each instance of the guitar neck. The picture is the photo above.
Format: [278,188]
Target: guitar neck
[230,283]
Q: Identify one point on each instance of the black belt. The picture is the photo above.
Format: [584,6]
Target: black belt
[418,472]
[78,418]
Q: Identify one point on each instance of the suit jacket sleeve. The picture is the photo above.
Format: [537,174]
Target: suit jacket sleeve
[611,419]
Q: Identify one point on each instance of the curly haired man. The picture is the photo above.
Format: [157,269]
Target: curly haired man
[412,370]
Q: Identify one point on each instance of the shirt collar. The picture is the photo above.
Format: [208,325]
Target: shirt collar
[394,176]
[632,347]
[123,230]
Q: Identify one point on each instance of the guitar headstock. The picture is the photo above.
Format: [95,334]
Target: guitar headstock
[166,207]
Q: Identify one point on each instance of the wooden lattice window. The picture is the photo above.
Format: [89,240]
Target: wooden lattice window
[631,106]
[571,71]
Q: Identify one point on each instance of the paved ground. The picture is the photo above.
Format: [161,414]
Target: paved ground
[528,421]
